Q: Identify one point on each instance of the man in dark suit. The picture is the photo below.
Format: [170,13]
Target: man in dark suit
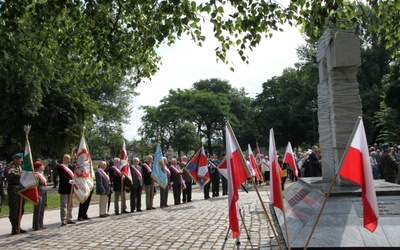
[314,161]
[137,185]
[102,188]
[176,180]
[66,174]
[148,182]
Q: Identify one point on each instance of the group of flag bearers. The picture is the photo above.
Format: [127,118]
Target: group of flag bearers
[355,166]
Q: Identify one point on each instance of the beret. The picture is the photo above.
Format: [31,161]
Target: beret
[17,155]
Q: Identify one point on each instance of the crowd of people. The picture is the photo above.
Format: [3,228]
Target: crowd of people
[110,181]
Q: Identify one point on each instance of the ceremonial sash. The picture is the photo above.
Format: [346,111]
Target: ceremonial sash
[174,169]
[266,164]
[101,171]
[183,163]
[68,171]
[146,167]
[137,172]
[167,171]
[182,182]
[116,170]
[41,177]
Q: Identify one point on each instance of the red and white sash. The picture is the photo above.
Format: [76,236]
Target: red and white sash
[173,168]
[137,172]
[101,171]
[116,169]
[68,171]
[146,167]
[41,177]
[167,171]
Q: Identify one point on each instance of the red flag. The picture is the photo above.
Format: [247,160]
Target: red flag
[356,167]
[289,159]
[253,164]
[237,172]
[275,177]
[123,151]
[197,168]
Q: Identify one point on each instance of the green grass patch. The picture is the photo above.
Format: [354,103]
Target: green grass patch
[53,202]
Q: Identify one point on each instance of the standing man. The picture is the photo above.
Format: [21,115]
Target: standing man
[315,162]
[389,165]
[187,192]
[102,188]
[215,176]
[117,178]
[176,181]
[13,175]
[266,169]
[66,174]
[136,186]
[148,182]
[38,212]
[164,191]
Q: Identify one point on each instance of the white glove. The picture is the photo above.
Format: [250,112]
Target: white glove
[72,182]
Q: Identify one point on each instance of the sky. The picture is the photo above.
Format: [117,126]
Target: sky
[184,63]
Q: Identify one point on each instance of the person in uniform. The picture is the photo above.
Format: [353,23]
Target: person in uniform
[38,211]
[137,186]
[102,188]
[13,175]
[389,165]
[66,175]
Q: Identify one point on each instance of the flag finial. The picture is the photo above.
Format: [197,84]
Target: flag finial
[27,128]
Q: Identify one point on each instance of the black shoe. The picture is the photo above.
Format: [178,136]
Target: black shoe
[14,232]
[87,218]
[71,222]
[148,208]
[153,208]
[140,210]
[22,231]
[116,213]
[63,224]
[42,227]
[36,229]
[125,212]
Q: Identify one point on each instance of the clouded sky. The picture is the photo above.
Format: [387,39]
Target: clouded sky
[184,63]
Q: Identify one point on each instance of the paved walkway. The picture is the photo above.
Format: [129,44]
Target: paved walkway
[201,224]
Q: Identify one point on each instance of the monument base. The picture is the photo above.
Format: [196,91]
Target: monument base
[341,223]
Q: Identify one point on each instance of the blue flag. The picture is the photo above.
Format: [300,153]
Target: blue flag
[158,172]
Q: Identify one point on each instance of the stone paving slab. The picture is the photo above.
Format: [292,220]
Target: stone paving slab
[201,224]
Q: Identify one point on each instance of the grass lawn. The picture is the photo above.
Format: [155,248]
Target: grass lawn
[53,202]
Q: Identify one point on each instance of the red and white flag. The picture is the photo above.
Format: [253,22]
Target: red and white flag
[253,164]
[83,167]
[356,167]
[275,176]
[124,167]
[237,173]
[289,159]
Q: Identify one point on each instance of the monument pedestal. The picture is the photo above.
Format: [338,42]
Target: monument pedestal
[341,223]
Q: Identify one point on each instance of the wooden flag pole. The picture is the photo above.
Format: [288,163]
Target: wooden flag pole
[255,187]
[332,183]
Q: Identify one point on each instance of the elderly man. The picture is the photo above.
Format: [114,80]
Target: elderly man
[119,184]
[102,188]
[389,165]
[148,182]
[13,175]
[187,192]
[137,186]
[176,181]
[66,174]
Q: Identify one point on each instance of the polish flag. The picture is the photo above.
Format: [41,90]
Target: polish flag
[237,173]
[275,176]
[356,167]
[289,159]
[253,164]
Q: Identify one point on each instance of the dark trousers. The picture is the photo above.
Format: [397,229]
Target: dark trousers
[83,208]
[215,186]
[224,185]
[136,199]
[176,189]
[207,191]
[187,192]
[164,196]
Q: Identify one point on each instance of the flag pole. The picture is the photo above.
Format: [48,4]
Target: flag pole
[332,183]
[279,179]
[255,187]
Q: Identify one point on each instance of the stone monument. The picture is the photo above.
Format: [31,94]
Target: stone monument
[341,223]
